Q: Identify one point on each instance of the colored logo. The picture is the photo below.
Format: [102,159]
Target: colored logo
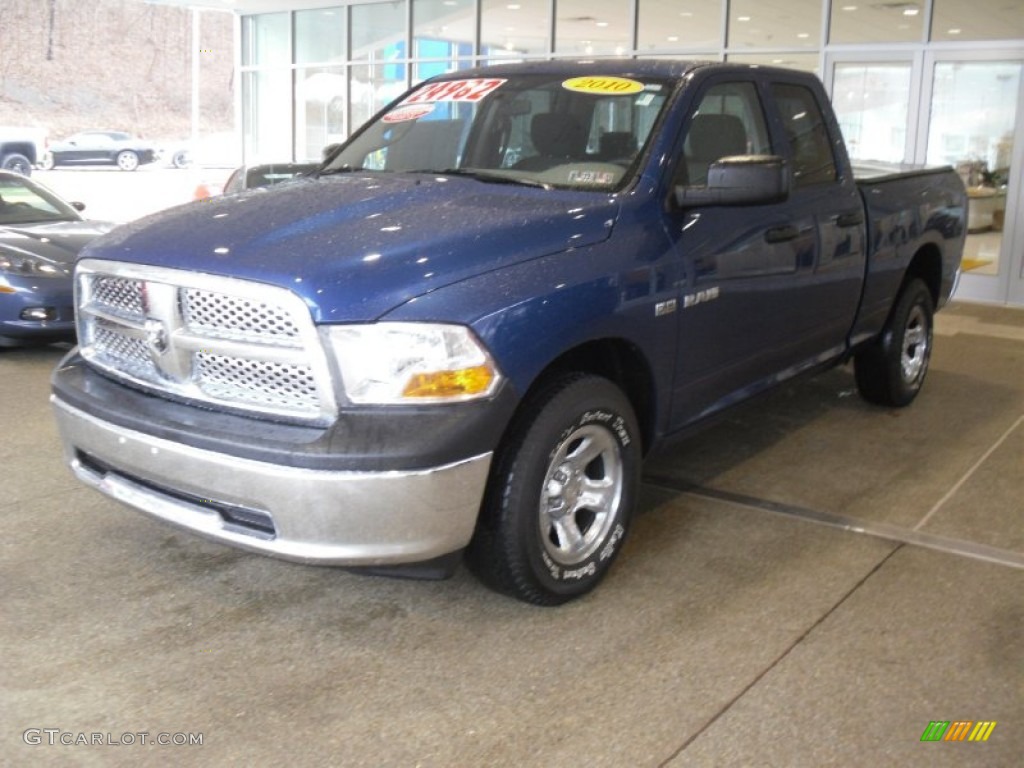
[958,730]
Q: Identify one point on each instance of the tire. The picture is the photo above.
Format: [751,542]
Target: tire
[891,370]
[561,493]
[181,159]
[127,160]
[49,162]
[16,162]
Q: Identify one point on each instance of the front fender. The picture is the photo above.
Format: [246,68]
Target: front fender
[531,314]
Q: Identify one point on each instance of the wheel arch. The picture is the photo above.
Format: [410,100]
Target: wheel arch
[19,148]
[926,264]
[615,359]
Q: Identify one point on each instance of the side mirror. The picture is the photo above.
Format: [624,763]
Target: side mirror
[740,180]
[78,206]
[329,150]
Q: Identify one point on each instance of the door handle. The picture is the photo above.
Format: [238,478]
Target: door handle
[850,219]
[781,234]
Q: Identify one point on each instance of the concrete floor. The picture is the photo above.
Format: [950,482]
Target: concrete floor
[810,583]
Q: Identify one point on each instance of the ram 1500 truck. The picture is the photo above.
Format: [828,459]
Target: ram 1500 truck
[466,329]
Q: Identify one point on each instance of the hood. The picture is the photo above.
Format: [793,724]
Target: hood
[57,242]
[356,246]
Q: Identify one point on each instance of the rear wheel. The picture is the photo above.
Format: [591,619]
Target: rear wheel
[891,370]
[561,493]
[49,161]
[16,162]
[127,160]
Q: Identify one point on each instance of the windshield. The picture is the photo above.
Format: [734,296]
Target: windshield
[22,202]
[578,133]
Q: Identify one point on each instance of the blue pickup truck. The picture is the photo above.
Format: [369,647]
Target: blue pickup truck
[462,334]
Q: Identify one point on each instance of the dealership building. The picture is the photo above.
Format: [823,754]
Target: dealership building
[921,81]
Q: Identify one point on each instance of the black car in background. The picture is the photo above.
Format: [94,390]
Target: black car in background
[101,148]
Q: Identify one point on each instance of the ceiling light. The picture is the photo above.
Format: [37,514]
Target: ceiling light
[743,18]
[849,7]
[910,12]
[802,35]
[601,23]
[673,38]
[955,31]
[513,6]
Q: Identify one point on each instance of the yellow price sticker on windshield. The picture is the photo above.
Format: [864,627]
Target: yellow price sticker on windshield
[605,85]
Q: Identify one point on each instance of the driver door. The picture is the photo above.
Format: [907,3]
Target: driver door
[739,320]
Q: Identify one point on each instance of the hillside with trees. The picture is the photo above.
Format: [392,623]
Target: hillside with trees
[70,65]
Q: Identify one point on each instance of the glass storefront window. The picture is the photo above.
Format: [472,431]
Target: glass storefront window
[443,28]
[783,24]
[265,97]
[669,24]
[378,32]
[872,101]
[978,20]
[372,86]
[805,62]
[863,22]
[592,27]
[425,69]
[265,40]
[320,36]
[512,28]
[320,98]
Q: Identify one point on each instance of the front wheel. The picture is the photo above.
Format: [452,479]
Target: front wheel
[891,370]
[127,160]
[49,161]
[561,493]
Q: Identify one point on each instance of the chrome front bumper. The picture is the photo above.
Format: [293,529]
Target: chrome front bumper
[305,515]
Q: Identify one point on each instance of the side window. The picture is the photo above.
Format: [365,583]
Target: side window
[809,145]
[728,121]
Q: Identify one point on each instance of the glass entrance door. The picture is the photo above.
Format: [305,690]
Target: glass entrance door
[974,124]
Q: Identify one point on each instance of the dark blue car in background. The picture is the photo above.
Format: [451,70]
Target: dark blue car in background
[40,235]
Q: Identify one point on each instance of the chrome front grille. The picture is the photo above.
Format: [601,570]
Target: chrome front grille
[214,340]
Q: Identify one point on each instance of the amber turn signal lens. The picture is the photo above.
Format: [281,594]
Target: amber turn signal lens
[467,381]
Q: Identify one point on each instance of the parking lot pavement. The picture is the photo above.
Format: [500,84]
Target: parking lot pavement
[733,631]
[110,194]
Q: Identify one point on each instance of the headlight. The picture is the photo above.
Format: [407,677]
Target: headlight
[31,266]
[386,363]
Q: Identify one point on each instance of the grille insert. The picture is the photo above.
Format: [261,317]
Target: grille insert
[236,317]
[215,340]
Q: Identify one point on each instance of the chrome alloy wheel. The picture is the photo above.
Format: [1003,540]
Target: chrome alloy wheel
[582,494]
[914,355]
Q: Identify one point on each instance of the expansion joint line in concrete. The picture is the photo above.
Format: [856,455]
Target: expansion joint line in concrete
[887,531]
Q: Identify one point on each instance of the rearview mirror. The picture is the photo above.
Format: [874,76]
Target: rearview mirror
[740,180]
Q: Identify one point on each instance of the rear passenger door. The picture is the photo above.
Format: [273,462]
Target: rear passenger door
[825,194]
[740,321]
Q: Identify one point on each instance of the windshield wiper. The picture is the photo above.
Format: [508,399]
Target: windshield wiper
[489,177]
